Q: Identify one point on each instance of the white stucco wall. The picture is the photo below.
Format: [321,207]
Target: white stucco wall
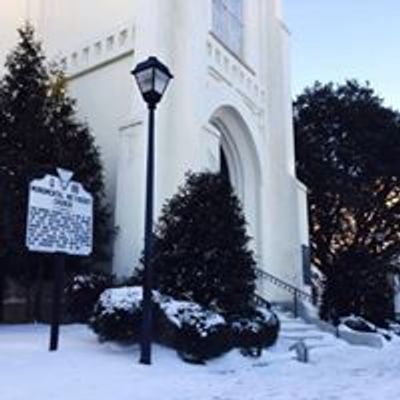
[103,93]
[12,15]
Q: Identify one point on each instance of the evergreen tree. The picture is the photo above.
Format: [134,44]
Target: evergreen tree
[201,248]
[39,132]
[348,147]
[356,284]
[74,148]
[23,117]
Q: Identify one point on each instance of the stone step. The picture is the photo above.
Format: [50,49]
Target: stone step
[285,315]
[298,327]
[286,318]
[310,334]
[301,337]
[319,346]
[295,329]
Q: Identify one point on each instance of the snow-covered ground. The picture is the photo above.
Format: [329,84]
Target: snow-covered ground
[83,369]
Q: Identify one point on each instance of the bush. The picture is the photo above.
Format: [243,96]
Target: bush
[201,250]
[258,330]
[117,314]
[356,284]
[196,333]
[82,293]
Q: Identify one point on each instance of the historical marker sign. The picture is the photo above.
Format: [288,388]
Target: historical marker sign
[60,216]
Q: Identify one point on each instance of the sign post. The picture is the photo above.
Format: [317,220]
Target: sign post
[60,221]
[56,306]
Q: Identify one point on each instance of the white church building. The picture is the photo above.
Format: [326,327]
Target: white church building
[229,104]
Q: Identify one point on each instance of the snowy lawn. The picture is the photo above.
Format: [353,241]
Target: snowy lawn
[83,369]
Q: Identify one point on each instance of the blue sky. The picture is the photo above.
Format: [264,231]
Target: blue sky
[333,40]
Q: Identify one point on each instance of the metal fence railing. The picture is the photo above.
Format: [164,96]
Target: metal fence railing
[298,294]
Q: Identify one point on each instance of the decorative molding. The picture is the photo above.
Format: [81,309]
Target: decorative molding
[212,130]
[232,53]
[99,51]
[226,68]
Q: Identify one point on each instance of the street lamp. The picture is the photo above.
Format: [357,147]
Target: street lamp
[152,78]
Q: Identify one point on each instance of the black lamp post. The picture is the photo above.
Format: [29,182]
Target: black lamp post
[152,78]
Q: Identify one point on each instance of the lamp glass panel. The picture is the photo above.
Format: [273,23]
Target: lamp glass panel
[145,80]
[161,82]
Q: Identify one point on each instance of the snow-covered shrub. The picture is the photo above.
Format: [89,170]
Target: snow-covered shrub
[395,328]
[255,331]
[197,333]
[359,324]
[82,293]
[117,314]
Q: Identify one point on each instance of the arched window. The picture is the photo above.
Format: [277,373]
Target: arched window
[228,23]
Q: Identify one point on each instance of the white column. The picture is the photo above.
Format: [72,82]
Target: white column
[180,141]
[152,35]
[177,36]
[282,247]
[251,34]
[129,211]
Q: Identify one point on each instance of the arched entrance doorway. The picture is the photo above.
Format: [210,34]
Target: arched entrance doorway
[223,164]
[240,163]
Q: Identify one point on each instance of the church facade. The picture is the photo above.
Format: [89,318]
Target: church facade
[228,106]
